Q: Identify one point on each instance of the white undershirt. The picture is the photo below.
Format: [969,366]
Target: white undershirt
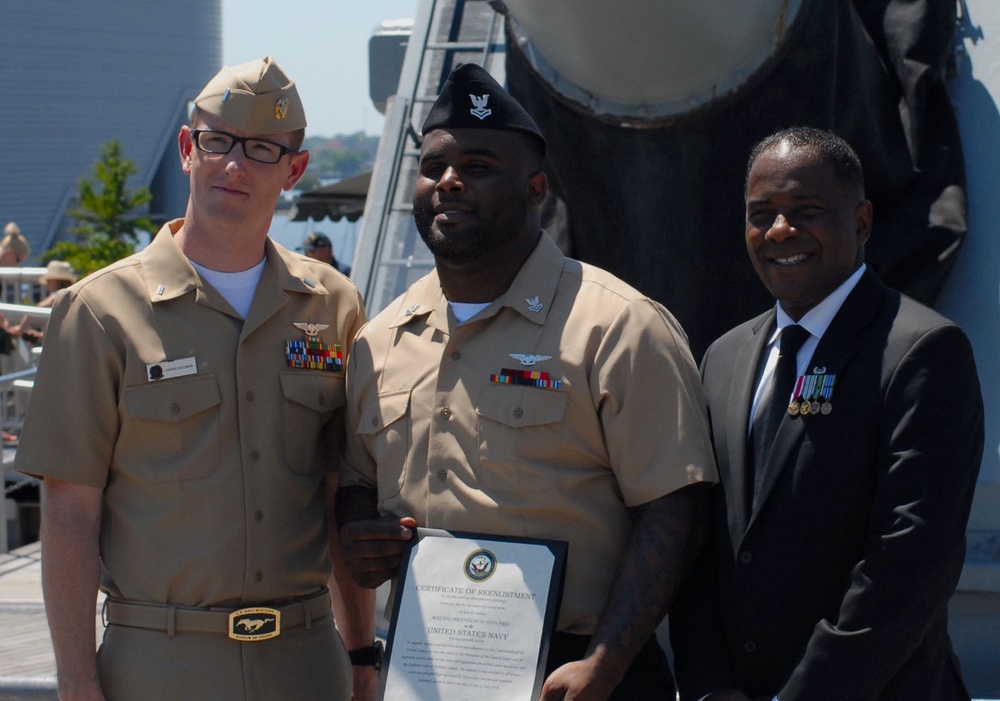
[236,288]
[464,311]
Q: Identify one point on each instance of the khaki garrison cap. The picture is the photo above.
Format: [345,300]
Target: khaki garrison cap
[255,97]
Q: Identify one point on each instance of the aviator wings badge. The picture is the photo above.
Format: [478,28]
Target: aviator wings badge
[529,359]
[311,330]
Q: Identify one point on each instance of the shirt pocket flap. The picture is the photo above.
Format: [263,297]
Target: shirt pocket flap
[383,411]
[173,400]
[317,391]
[521,406]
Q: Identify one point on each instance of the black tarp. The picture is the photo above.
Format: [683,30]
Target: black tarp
[345,198]
[662,206]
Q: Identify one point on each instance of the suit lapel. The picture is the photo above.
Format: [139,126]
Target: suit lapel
[746,364]
[841,342]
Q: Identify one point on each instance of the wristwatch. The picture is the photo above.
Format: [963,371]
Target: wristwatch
[370,656]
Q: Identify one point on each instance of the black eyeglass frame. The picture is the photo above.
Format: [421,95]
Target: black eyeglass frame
[242,141]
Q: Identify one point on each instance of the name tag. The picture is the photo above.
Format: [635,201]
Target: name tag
[172,368]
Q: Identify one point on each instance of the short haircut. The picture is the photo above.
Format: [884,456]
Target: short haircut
[829,147]
[298,136]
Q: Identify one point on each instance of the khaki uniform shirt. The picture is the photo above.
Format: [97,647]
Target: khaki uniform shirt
[213,476]
[616,418]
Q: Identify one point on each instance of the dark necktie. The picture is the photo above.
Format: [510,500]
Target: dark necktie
[774,401]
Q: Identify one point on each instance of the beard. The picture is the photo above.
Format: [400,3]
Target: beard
[466,244]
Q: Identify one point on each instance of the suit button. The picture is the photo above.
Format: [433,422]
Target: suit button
[442,475]
[750,646]
[746,557]
[455,355]
[175,408]
[446,413]
[518,413]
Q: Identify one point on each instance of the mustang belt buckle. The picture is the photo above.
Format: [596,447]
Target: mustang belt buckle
[254,624]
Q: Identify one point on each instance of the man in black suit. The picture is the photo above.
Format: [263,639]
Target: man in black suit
[838,542]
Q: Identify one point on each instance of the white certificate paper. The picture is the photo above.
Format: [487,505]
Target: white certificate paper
[472,618]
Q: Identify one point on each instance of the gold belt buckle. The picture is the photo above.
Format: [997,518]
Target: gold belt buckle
[254,624]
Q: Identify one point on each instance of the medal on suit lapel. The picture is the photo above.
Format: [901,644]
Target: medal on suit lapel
[826,407]
[795,406]
[812,395]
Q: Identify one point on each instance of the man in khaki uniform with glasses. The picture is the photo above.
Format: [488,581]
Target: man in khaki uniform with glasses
[187,418]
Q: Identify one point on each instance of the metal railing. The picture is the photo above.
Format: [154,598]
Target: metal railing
[17,285]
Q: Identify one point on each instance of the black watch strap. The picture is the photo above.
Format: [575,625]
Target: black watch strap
[370,656]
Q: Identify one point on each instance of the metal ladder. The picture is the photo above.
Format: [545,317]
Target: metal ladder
[390,254]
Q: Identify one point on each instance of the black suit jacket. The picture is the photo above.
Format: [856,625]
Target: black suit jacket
[836,585]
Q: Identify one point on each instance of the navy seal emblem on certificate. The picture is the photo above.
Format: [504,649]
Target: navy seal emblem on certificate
[472,613]
[480,565]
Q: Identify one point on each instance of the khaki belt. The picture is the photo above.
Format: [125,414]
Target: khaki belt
[246,624]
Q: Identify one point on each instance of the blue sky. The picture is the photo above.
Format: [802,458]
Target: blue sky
[322,45]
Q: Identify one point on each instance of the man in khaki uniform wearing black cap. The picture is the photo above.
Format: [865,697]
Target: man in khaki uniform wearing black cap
[186,419]
[516,391]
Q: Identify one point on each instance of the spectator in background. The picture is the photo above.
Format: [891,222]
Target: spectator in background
[58,275]
[319,247]
[14,249]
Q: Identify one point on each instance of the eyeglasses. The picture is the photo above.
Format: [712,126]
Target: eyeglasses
[220,142]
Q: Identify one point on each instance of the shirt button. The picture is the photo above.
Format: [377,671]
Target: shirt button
[175,408]
[249,395]
[446,413]
[746,557]
[259,515]
[518,413]
[456,355]
[442,475]
[254,455]
[259,576]
[750,646]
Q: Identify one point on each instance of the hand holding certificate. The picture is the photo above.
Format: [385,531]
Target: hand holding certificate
[472,617]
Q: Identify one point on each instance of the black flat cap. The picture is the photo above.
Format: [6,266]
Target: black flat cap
[472,99]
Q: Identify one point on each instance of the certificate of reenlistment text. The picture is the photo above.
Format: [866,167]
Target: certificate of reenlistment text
[472,617]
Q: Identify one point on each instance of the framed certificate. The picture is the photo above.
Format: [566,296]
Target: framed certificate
[472,617]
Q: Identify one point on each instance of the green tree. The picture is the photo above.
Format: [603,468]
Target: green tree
[107,226]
